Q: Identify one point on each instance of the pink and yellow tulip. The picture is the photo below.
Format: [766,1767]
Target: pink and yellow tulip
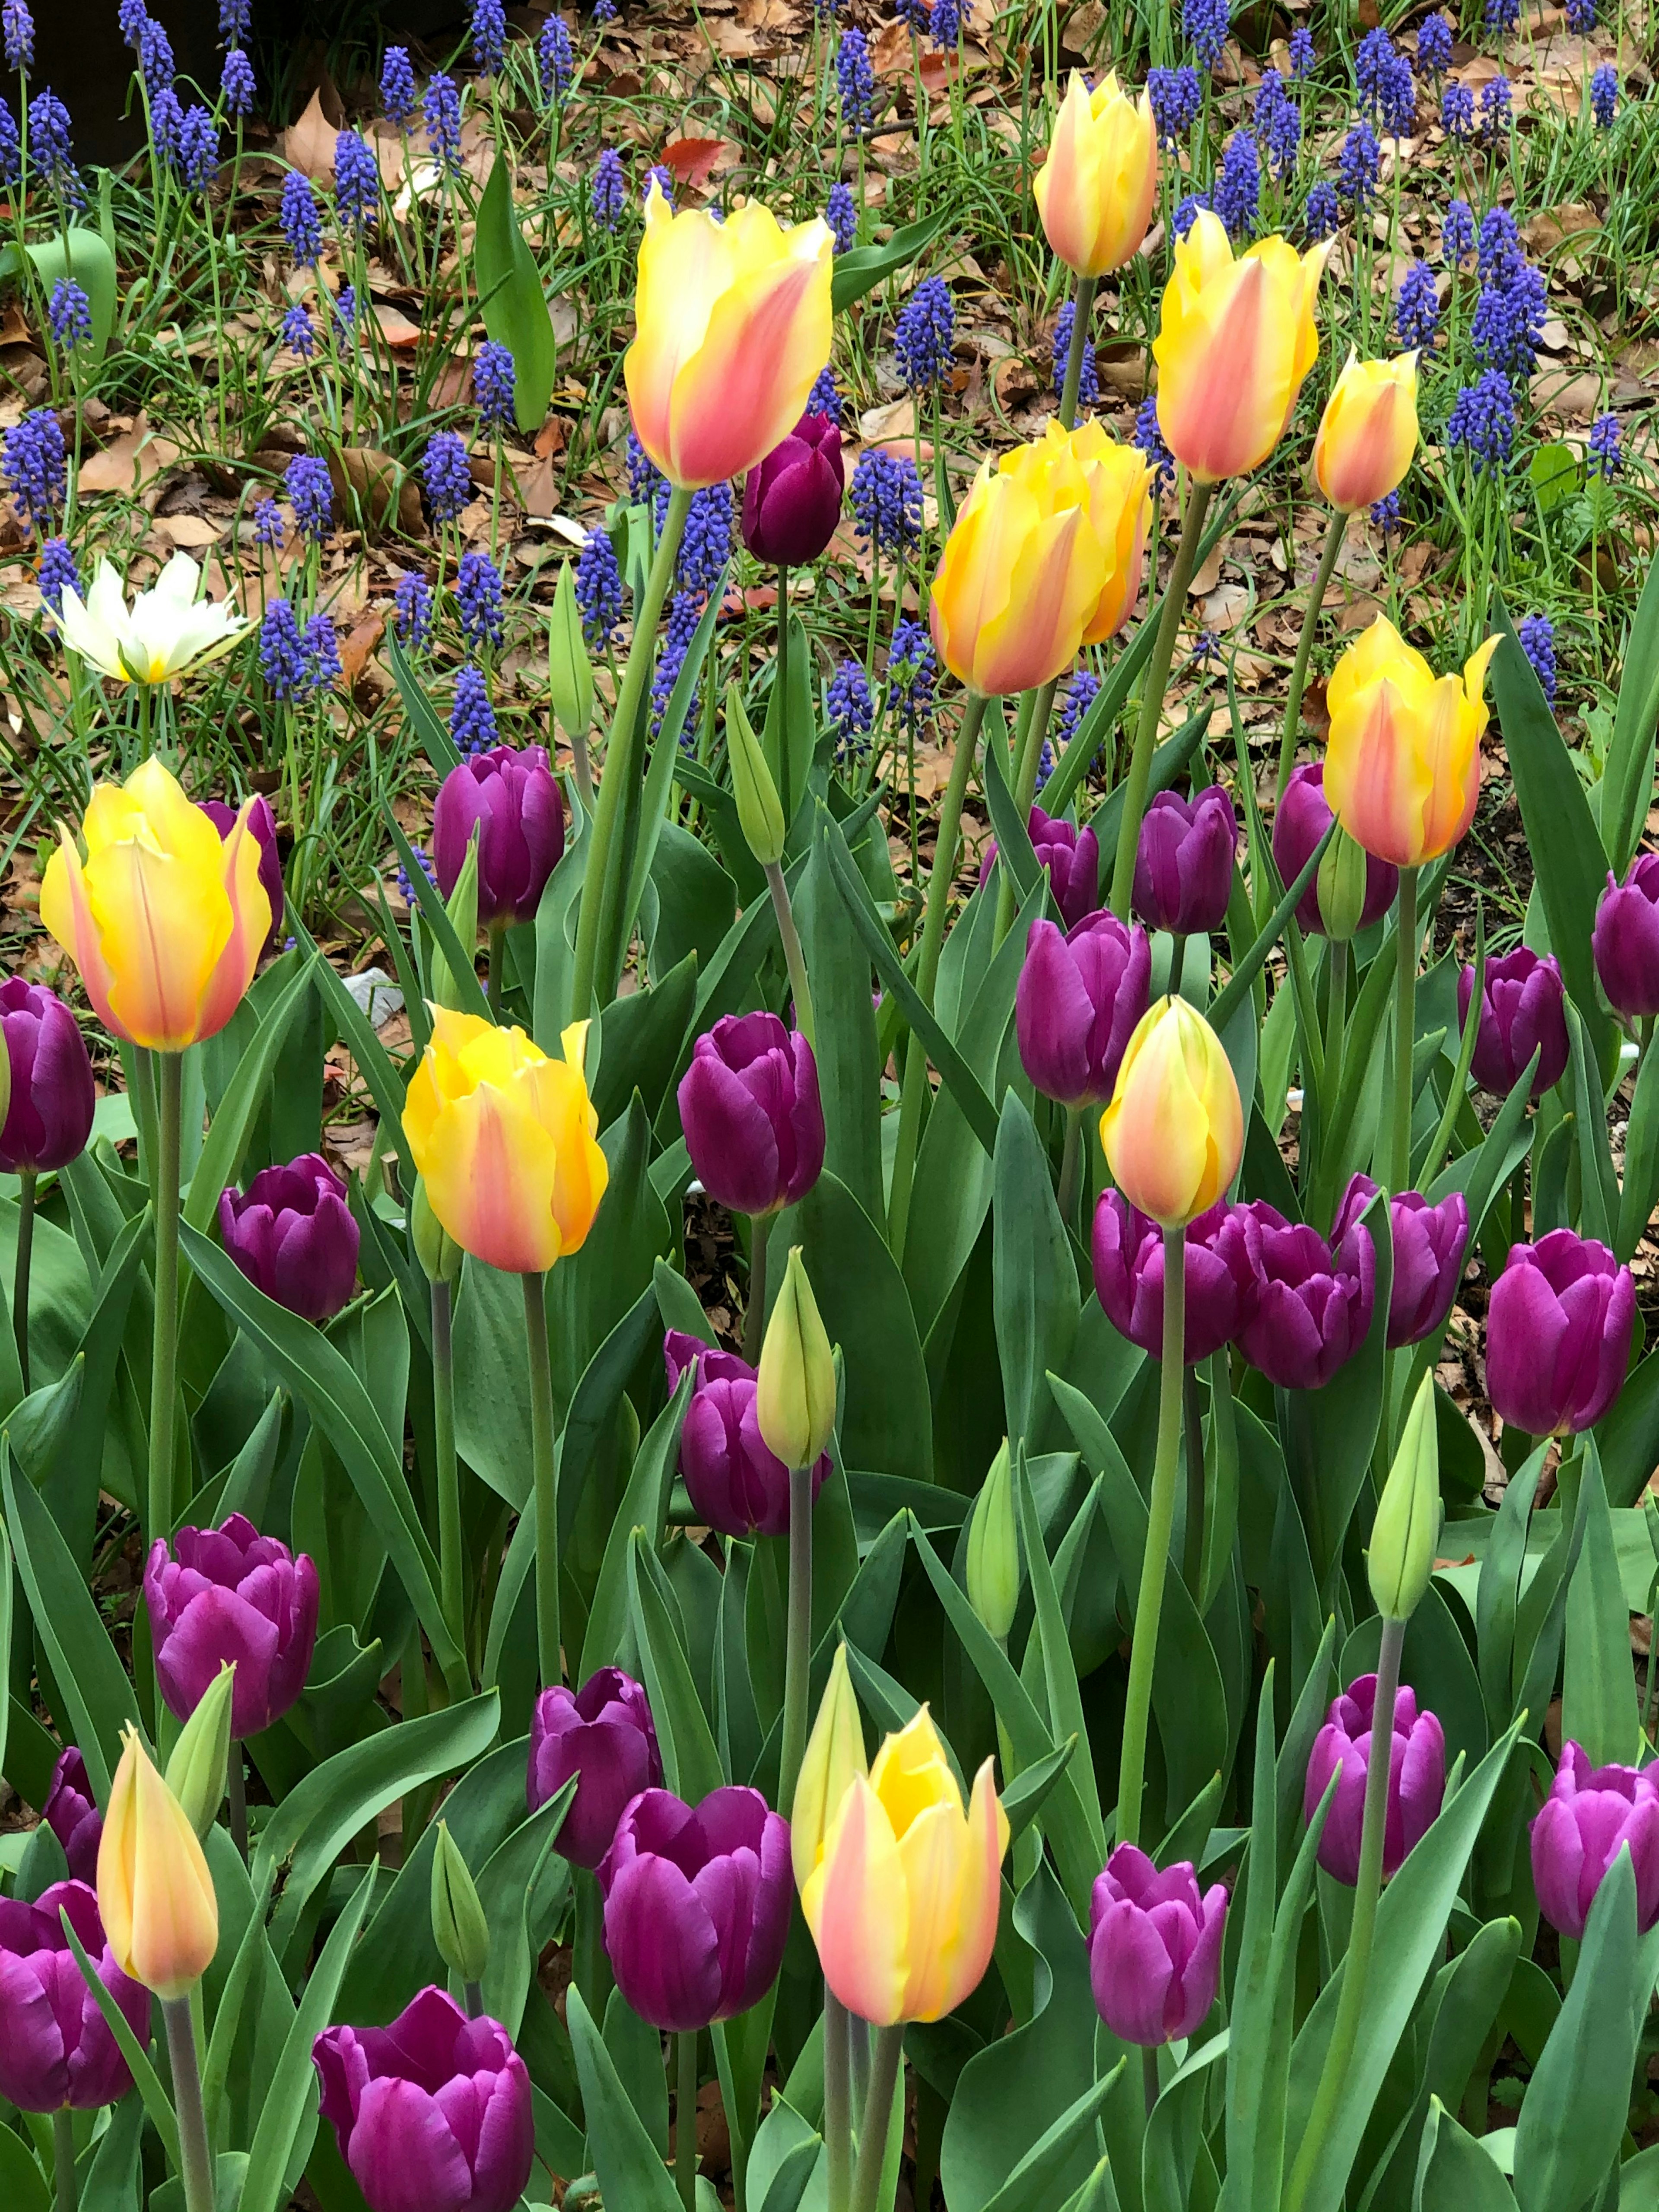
[1402,764]
[1174,1131]
[1368,433]
[154,1893]
[1095,193]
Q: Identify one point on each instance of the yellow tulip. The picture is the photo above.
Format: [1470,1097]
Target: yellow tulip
[902,1899]
[164,922]
[834,1760]
[1402,762]
[166,630]
[1235,341]
[1368,432]
[1174,1133]
[154,1893]
[1095,191]
[733,325]
[506,1142]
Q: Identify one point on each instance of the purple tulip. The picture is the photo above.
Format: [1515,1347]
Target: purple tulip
[1077,1003]
[1072,859]
[696,1905]
[1184,864]
[791,500]
[1313,1299]
[750,1108]
[432,2114]
[262,824]
[1301,821]
[736,1484]
[1417,1777]
[1221,1278]
[1522,1009]
[1429,1245]
[1625,940]
[230,1593]
[603,1732]
[1590,1814]
[294,1238]
[53,1095]
[1558,1334]
[513,800]
[71,1812]
[1154,1947]
[56,2048]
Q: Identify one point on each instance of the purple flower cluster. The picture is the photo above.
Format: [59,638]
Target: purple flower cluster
[609,192]
[706,545]
[69,313]
[1236,197]
[445,473]
[1387,90]
[851,710]
[685,611]
[489,35]
[398,96]
[58,574]
[440,111]
[886,499]
[912,673]
[1148,438]
[236,83]
[1322,212]
[1604,94]
[1497,107]
[471,717]
[295,663]
[556,61]
[494,383]
[1537,635]
[1088,389]
[1080,695]
[824,398]
[599,589]
[842,216]
[1456,232]
[35,463]
[1359,165]
[310,495]
[1205,24]
[1277,123]
[1303,59]
[1434,44]
[356,183]
[1458,111]
[1177,99]
[926,334]
[1507,326]
[412,610]
[17,32]
[1482,423]
[1417,310]
[1604,457]
[302,223]
[479,598]
[855,80]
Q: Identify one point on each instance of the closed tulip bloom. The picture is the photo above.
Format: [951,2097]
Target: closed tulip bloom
[732,323]
[1523,1010]
[1417,1778]
[231,1594]
[1300,821]
[53,1098]
[696,1905]
[56,2047]
[1558,1334]
[1368,432]
[155,1892]
[1077,1004]
[1402,762]
[1313,1300]
[1590,1814]
[792,498]
[1430,1243]
[1625,940]
[166,630]
[294,1238]
[1095,191]
[753,1120]
[903,1896]
[736,1484]
[512,800]
[71,1812]
[164,920]
[432,2114]
[1071,855]
[1154,1947]
[1174,1133]
[1184,862]
[1222,1289]
[834,1760]
[602,1734]
[507,1141]
[1235,341]
[263,823]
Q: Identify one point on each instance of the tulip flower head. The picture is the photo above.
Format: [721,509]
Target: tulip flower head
[1559,1328]
[792,501]
[1368,432]
[1590,1814]
[71,1812]
[1625,940]
[1222,1282]
[1174,1133]
[1417,1777]
[155,1892]
[603,1734]
[1154,1947]
[166,630]
[229,1593]
[1402,762]
[1299,822]
[795,1382]
[735,1483]
[52,1099]
[1522,1011]
[56,2047]
[1313,1299]
[1095,191]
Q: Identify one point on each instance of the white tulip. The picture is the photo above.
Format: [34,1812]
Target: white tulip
[165,630]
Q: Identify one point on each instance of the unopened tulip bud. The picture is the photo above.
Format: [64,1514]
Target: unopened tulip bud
[155,1892]
[1407,1523]
[201,1758]
[1402,762]
[993,1550]
[1368,432]
[795,1394]
[440,1255]
[1095,191]
[569,671]
[1174,1133]
[463,906]
[459,1926]
[1340,885]
[834,1761]
[759,810]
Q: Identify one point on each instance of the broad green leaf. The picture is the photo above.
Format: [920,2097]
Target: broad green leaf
[644,1506]
[1036,1297]
[86,258]
[630,2173]
[515,308]
[862,267]
[1453,2173]
[249,1090]
[690,1763]
[21,2177]
[1065,1700]
[1628,784]
[1598,1703]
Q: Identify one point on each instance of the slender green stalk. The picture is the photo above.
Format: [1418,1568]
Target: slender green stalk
[1405,1015]
[685,2117]
[1143,1651]
[1192,1423]
[1149,2077]
[62,2158]
[798,1649]
[19,1281]
[837,2100]
[1082,314]
[164,1351]
[589,1962]
[195,2159]
[1336,1017]
[472,1999]
[1327,568]
[885,2065]
[236,1798]
[754,1312]
[1071,1166]
[795,958]
[1152,705]
[452,1565]
[497,966]
[1036,709]
[548,1648]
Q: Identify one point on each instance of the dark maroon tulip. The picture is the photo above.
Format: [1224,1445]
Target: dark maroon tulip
[71,1812]
[696,1905]
[1429,1244]
[1522,1011]
[53,1097]
[736,1484]
[1301,821]
[1221,1278]
[791,500]
[1184,863]
[1589,1815]
[1077,1003]
[231,1594]
[1558,1334]
[56,2047]
[750,1108]
[432,2114]
[603,1732]
[263,823]
[1625,940]
[294,1238]
[1313,1299]
[1072,859]
[1154,1947]
[512,798]
[1417,1777]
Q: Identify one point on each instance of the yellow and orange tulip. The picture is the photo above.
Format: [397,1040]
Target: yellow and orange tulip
[1235,341]
[1174,1131]
[156,1895]
[1402,762]
[506,1142]
[1368,432]
[732,323]
[1095,191]
[164,920]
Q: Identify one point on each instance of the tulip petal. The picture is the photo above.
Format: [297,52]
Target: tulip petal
[402,2154]
[491,1168]
[857,1905]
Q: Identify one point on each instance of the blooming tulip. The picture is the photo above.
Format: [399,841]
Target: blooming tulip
[165,630]
[1154,1947]
[1174,1133]
[510,797]
[1222,1287]
[904,1889]
[1417,1777]
[56,2047]
[1071,855]
[736,1484]
[163,920]
[1096,189]
[231,1594]
[263,823]
[1078,1001]
[1429,1245]
[1522,1011]
[734,327]
[1589,1817]
[750,1107]
[1313,1300]
[1184,862]
[1368,432]
[1625,940]
[1300,820]
[696,1905]
[1235,341]
[791,500]
[71,1812]
[505,1141]
[1558,1334]
[294,1238]
[603,1734]
[432,2114]
[154,1892]
[53,1099]
[1402,764]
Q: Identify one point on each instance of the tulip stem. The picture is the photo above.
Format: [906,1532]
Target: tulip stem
[795,958]
[838,2099]
[885,2065]
[754,1311]
[1363,1927]
[1149,1607]
[548,1650]
[20,1286]
[451,1564]
[62,2158]
[1071,1166]
[1193,1413]
[236,1799]
[1199,496]
[195,2159]
[164,1346]
[1038,708]
[1082,314]
[497,967]
[1405,1023]
[686,2117]
[1328,558]
[798,1649]
[1149,2075]
[472,2000]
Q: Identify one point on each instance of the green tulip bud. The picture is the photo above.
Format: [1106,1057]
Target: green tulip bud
[758,809]
[993,1550]
[1408,1524]
[201,1758]
[463,909]
[458,1927]
[795,1396]
[1340,884]
[440,1255]
[569,670]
